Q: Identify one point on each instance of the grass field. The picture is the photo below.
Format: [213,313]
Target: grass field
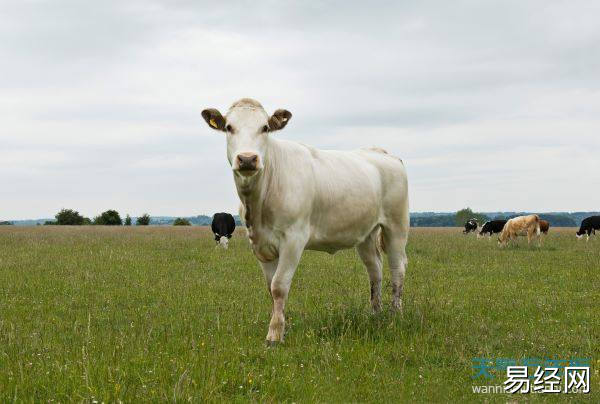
[159,314]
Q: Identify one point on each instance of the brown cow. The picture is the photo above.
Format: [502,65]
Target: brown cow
[544,226]
[520,226]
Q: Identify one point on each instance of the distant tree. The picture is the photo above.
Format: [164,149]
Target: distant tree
[143,220]
[69,217]
[87,221]
[6,223]
[108,218]
[127,220]
[432,221]
[50,223]
[181,222]
[556,220]
[465,214]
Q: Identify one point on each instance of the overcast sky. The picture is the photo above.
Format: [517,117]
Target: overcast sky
[492,105]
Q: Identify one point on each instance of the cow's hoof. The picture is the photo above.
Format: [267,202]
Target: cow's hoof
[397,310]
[272,344]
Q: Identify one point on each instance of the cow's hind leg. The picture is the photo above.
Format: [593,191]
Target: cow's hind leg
[269,269]
[371,257]
[395,240]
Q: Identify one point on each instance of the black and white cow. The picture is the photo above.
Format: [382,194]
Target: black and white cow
[470,226]
[491,227]
[589,225]
[223,226]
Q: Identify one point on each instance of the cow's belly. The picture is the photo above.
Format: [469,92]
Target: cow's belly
[345,212]
[334,232]
[331,246]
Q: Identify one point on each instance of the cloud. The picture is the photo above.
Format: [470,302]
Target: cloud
[483,101]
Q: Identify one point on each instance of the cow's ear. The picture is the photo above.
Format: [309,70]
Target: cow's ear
[214,119]
[279,119]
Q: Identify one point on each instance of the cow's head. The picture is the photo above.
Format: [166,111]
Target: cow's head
[224,241]
[247,127]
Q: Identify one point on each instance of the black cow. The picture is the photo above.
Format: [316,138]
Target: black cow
[589,225]
[223,225]
[470,225]
[491,227]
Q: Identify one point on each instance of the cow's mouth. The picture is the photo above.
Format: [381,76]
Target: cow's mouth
[246,172]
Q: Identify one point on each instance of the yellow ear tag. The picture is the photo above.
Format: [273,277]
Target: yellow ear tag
[212,123]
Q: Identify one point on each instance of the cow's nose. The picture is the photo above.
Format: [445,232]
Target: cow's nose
[247,161]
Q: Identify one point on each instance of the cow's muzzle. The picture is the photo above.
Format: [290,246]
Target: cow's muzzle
[246,163]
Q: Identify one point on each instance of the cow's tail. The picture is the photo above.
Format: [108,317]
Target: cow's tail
[537,224]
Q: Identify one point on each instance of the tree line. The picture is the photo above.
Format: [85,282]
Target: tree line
[70,217]
[460,218]
[417,219]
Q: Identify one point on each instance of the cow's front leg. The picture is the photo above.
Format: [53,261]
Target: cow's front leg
[290,252]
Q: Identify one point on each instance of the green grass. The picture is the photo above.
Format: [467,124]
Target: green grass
[157,314]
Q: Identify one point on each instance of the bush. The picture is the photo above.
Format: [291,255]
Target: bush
[108,218]
[465,214]
[128,220]
[6,223]
[181,222]
[50,223]
[69,217]
[143,220]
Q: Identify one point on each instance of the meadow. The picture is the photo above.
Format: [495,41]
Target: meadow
[138,314]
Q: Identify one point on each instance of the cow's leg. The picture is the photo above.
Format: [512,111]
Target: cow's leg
[395,242]
[290,252]
[269,269]
[370,256]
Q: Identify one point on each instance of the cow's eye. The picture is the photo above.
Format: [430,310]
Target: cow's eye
[229,128]
[265,129]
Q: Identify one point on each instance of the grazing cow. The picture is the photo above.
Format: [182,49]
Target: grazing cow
[520,226]
[223,226]
[589,225]
[295,197]
[544,226]
[491,227]
[470,226]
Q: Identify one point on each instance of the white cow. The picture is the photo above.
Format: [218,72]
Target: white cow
[294,197]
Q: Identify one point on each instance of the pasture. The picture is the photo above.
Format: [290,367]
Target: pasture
[159,314]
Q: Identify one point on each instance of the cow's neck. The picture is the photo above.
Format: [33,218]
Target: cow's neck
[254,191]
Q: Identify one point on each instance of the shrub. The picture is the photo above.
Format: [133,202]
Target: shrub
[465,214]
[181,222]
[108,218]
[143,220]
[69,217]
